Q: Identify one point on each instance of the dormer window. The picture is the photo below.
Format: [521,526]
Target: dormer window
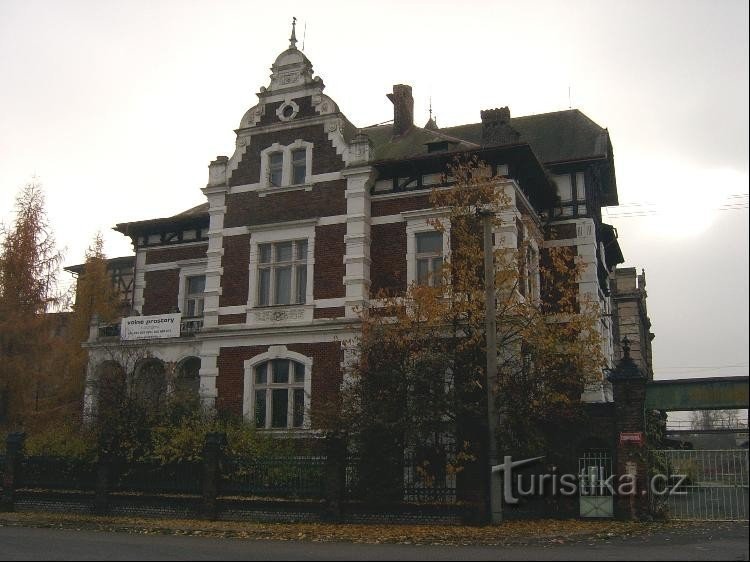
[299,166]
[276,168]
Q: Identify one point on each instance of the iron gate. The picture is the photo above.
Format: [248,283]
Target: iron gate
[595,497]
[707,485]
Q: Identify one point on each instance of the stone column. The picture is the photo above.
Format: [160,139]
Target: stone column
[629,393]
[13,455]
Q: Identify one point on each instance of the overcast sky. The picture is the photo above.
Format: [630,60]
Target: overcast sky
[118,107]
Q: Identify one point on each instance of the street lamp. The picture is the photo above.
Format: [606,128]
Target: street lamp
[494,501]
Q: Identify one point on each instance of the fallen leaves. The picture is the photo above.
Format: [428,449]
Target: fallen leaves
[542,532]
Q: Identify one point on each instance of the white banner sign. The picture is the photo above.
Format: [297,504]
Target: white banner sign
[151,327]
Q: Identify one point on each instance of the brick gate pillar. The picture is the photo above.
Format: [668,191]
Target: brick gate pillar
[13,456]
[629,392]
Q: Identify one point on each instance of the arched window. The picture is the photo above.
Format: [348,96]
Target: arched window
[110,386]
[149,387]
[279,397]
[187,380]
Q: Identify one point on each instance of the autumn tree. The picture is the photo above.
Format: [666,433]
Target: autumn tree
[95,296]
[418,379]
[29,262]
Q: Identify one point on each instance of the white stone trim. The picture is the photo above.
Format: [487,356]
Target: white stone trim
[234,231]
[214,254]
[139,280]
[387,219]
[208,373]
[236,309]
[357,257]
[330,303]
[332,219]
[308,185]
[288,102]
[275,352]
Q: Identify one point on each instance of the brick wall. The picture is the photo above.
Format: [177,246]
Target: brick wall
[324,156]
[329,261]
[176,254]
[247,209]
[225,319]
[326,373]
[235,278]
[161,291]
[333,312]
[393,206]
[388,254]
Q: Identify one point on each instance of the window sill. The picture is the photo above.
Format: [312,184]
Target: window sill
[271,189]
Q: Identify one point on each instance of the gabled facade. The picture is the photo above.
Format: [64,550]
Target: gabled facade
[311,216]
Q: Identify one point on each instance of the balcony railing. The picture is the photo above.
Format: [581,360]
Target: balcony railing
[109,330]
[190,326]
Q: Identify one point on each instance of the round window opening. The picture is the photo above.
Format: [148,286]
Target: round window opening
[287,112]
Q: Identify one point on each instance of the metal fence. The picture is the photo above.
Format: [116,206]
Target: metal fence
[285,477]
[57,473]
[426,479]
[430,479]
[175,478]
[708,485]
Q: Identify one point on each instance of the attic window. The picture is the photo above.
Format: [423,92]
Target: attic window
[438,146]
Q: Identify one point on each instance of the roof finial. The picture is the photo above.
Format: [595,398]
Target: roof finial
[430,108]
[293,38]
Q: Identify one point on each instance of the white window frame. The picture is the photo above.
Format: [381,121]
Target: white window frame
[435,278]
[274,265]
[248,398]
[265,234]
[192,268]
[286,171]
[418,222]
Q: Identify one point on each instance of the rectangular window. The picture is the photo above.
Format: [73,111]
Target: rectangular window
[299,166]
[564,187]
[580,187]
[282,273]
[194,288]
[429,258]
[275,168]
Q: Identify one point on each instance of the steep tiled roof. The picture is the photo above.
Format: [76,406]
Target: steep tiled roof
[409,145]
[559,136]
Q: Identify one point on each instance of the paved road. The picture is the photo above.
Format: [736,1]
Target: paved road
[21,543]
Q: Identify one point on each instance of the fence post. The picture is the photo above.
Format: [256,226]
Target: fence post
[101,490]
[335,483]
[13,455]
[211,471]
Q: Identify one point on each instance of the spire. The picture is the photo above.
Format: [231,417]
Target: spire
[432,123]
[293,38]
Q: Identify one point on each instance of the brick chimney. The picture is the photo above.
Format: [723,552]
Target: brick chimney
[403,109]
[496,128]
